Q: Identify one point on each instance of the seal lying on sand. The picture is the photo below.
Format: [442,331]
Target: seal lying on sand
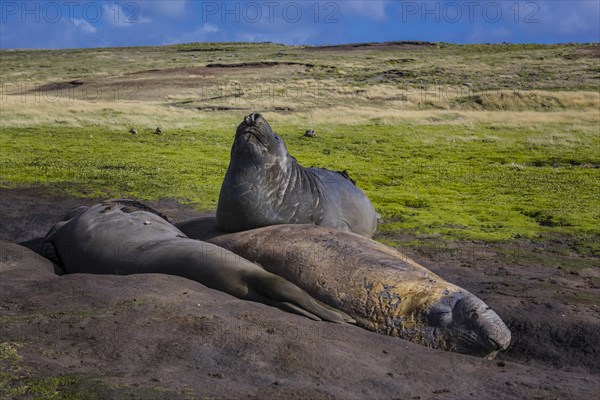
[125,237]
[382,289]
[264,185]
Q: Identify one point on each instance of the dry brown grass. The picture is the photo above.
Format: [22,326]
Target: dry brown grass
[116,115]
[76,113]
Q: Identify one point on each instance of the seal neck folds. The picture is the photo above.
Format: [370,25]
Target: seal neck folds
[264,185]
[261,186]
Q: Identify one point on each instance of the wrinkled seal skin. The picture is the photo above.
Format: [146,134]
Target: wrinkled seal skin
[125,237]
[382,289]
[264,185]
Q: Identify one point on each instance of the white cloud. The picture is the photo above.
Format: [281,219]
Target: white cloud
[572,18]
[297,36]
[84,26]
[542,21]
[163,8]
[372,9]
[208,28]
[124,17]
[250,37]
[203,33]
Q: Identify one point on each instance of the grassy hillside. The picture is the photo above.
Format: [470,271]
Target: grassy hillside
[486,142]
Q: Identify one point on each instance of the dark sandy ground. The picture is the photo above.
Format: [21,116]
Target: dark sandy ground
[156,336]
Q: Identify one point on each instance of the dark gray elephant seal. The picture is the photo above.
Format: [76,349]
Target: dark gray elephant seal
[264,185]
[381,288]
[125,237]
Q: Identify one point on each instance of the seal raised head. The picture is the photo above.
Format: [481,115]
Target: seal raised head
[264,185]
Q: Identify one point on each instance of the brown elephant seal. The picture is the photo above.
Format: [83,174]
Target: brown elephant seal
[264,185]
[125,237]
[382,289]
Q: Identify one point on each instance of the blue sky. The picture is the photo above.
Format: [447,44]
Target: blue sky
[81,23]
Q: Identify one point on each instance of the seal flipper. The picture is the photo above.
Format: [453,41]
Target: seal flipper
[345,174]
[347,318]
[75,212]
[48,250]
[283,305]
[276,291]
[291,308]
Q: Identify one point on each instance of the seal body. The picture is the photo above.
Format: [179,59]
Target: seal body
[264,185]
[381,288]
[125,237]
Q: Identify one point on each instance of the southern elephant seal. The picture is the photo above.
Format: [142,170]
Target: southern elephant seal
[382,289]
[264,185]
[126,237]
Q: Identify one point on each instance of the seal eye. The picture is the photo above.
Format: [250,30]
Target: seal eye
[445,318]
[440,318]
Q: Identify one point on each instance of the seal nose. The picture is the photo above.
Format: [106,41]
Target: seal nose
[252,118]
[498,333]
[476,314]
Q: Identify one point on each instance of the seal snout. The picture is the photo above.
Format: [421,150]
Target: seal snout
[253,123]
[254,128]
[464,323]
[496,332]
[252,119]
[476,316]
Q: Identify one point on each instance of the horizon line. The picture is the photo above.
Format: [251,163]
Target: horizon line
[406,42]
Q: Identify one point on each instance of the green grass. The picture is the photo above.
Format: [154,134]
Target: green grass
[17,382]
[513,154]
[74,387]
[477,183]
[78,387]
